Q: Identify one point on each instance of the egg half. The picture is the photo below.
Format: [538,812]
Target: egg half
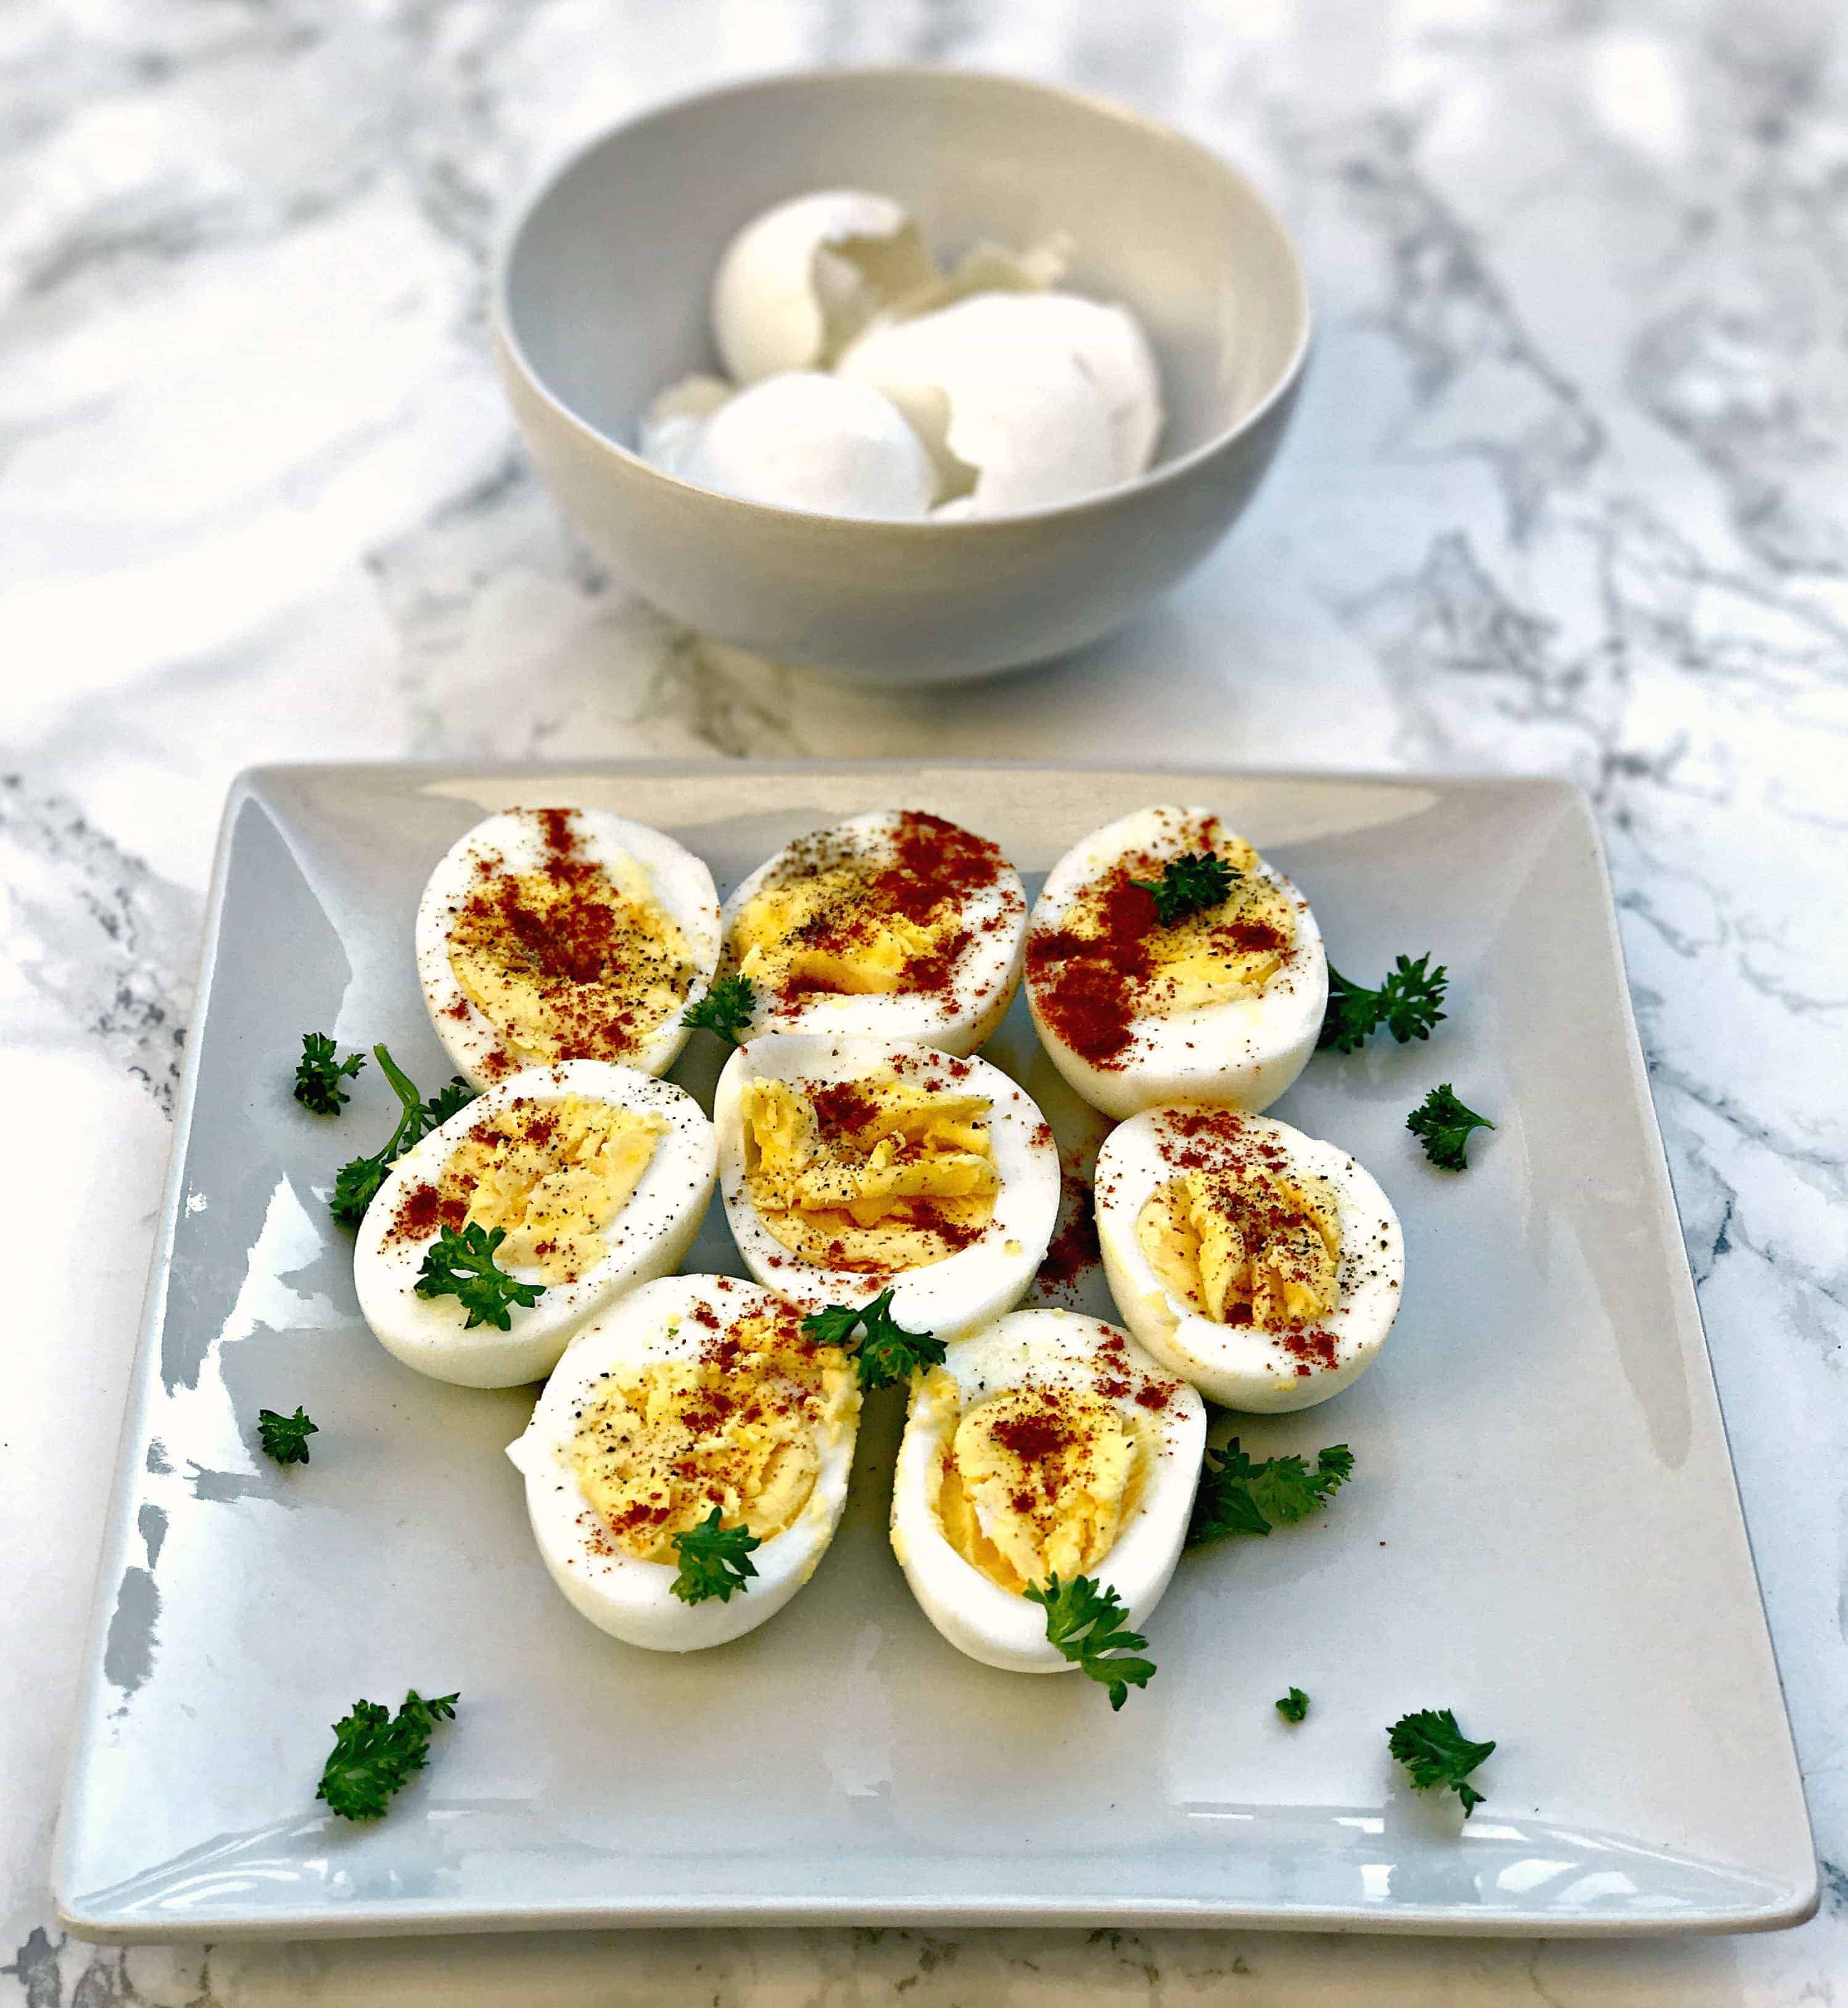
[598,1177]
[562,934]
[1264,1266]
[1047,1444]
[849,1166]
[1223,1005]
[694,1393]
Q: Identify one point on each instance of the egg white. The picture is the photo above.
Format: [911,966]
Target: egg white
[630,1600]
[649,1237]
[679,883]
[977,1616]
[1241,1367]
[962,1291]
[982,985]
[1242,1053]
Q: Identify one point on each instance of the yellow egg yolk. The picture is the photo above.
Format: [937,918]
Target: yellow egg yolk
[1250,1246]
[739,1425]
[877,1174]
[1037,1480]
[832,930]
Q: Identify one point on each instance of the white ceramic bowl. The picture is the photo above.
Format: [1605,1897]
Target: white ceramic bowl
[602,297]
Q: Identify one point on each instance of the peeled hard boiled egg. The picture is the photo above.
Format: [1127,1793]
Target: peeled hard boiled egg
[850,1166]
[1047,1444]
[694,1394]
[562,934]
[895,924]
[1222,1004]
[597,1175]
[1262,1265]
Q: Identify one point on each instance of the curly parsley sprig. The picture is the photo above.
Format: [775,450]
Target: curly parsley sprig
[725,1009]
[1435,1751]
[1240,1495]
[356,1184]
[1189,885]
[1294,1705]
[375,1753]
[285,1438]
[1082,1621]
[714,1560]
[887,1352]
[319,1074]
[462,1266]
[1442,1125]
[1408,1003]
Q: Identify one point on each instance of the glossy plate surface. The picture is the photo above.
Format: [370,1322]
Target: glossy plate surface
[1543,1532]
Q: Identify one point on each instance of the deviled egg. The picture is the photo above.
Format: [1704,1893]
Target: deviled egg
[1166,961]
[596,1177]
[850,1166]
[1262,1265]
[895,924]
[1048,1444]
[564,934]
[695,1395]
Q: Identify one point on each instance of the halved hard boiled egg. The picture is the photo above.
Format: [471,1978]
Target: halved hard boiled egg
[596,1176]
[849,1166]
[1262,1265]
[1048,1444]
[564,934]
[1143,994]
[695,1395]
[895,924]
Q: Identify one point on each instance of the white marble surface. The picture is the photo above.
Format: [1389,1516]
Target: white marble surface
[1566,494]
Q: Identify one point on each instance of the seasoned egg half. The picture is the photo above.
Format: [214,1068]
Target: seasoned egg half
[850,1166]
[1262,1265]
[1222,1003]
[564,934]
[1048,1444]
[694,1394]
[597,1176]
[895,924]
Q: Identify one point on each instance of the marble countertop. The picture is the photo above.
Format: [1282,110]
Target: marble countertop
[1565,495]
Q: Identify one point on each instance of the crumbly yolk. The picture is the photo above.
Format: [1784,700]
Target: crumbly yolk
[1246,1247]
[880,1173]
[833,930]
[553,1174]
[1037,1480]
[740,1425]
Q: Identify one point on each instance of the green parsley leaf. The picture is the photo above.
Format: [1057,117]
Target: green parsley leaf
[887,1352]
[714,1560]
[1240,1495]
[835,1326]
[285,1438]
[725,1009]
[1294,1705]
[1407,1003]
[376,1752]
[356,1184]
[1081,1621]
[462,1266]
[318,1074]
[1436,1752]
[1189,885]
[1442,1124]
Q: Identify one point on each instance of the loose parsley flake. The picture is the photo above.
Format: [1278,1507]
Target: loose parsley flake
[462,1266]
[887,1352]
[725,1009]
[1294,1705]
[1189,885]
[1081,1620]
[356,1185]
[714,1560]
[1240,1495]
[318,1075]
[375,1752]
[285,1438]
[1436,1751]
[1441,1124]
[1407,1003]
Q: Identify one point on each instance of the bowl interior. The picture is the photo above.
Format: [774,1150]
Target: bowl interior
[604,290]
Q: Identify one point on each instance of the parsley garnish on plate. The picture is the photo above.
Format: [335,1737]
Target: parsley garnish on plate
[1294,1705]
[1189,885]
[318,1074]
[356,1185]
[375,1752]
[1240,1495]
[1441,1124]
[1408,1003]
[725,1009]
[1081,1620]
[887,1352]
[462,1266]
[284,1437]
[714,1560]
[1436,1751]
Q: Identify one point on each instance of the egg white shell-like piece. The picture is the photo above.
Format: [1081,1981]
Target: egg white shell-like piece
[675,416]
[1240,1366]
[679,883]
[981,984]
[805,440]
[1242,1053]
[977,1616]
[633,1600]
[800,278]
[962,1291]
[649,1237]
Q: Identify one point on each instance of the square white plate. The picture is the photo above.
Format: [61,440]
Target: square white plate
[1543,1532]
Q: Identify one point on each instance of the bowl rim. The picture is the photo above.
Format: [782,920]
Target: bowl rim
[515,358]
